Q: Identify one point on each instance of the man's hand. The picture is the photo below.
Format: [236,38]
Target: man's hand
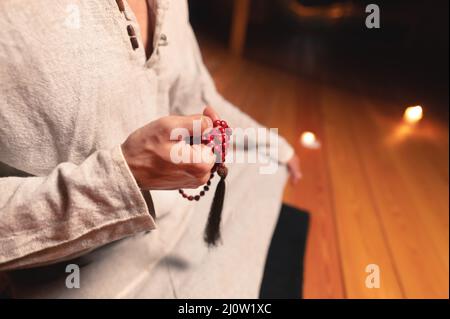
[147,152]
[294,169]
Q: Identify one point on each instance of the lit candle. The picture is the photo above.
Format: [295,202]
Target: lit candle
[309,140]
[413,114]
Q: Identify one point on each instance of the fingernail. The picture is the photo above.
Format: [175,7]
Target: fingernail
[208,121]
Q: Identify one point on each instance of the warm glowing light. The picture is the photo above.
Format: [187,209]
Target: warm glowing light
[413,114]
[309,140]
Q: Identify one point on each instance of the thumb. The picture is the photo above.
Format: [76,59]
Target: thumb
[188,122]
[211,113]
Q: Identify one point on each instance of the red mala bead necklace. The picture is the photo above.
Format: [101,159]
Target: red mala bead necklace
[218,139]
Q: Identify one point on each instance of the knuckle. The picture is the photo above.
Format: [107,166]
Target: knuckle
[200,173]
[206,123]
[200,180]
[165,124]
[205,179]
[194,170]
[203,168]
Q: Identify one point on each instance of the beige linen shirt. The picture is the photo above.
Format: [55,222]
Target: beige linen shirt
[72,88]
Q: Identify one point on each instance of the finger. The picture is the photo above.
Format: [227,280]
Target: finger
[199,122]
[298,169]
[199,167]
[202,154]
[292,176]
[194,156]
[294,171]
[294,179]
[208,156]
[211,113]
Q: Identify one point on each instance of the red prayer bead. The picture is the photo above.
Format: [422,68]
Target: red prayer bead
[218,139]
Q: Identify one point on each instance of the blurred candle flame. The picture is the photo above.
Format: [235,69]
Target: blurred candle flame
[413,114]
[309,140]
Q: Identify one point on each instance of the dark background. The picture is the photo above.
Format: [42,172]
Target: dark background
[410,49]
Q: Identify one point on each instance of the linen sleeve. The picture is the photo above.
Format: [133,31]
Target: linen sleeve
[74,209]
[235,117]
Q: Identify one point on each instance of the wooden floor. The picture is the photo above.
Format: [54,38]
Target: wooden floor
[377,190]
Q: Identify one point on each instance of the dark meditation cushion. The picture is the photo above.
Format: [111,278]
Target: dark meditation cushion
[283,272]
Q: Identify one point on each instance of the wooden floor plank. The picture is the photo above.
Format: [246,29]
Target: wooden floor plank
[323,274]
[360,232]
[412,211]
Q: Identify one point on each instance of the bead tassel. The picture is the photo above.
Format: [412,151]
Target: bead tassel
[212,229]
[218,141]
